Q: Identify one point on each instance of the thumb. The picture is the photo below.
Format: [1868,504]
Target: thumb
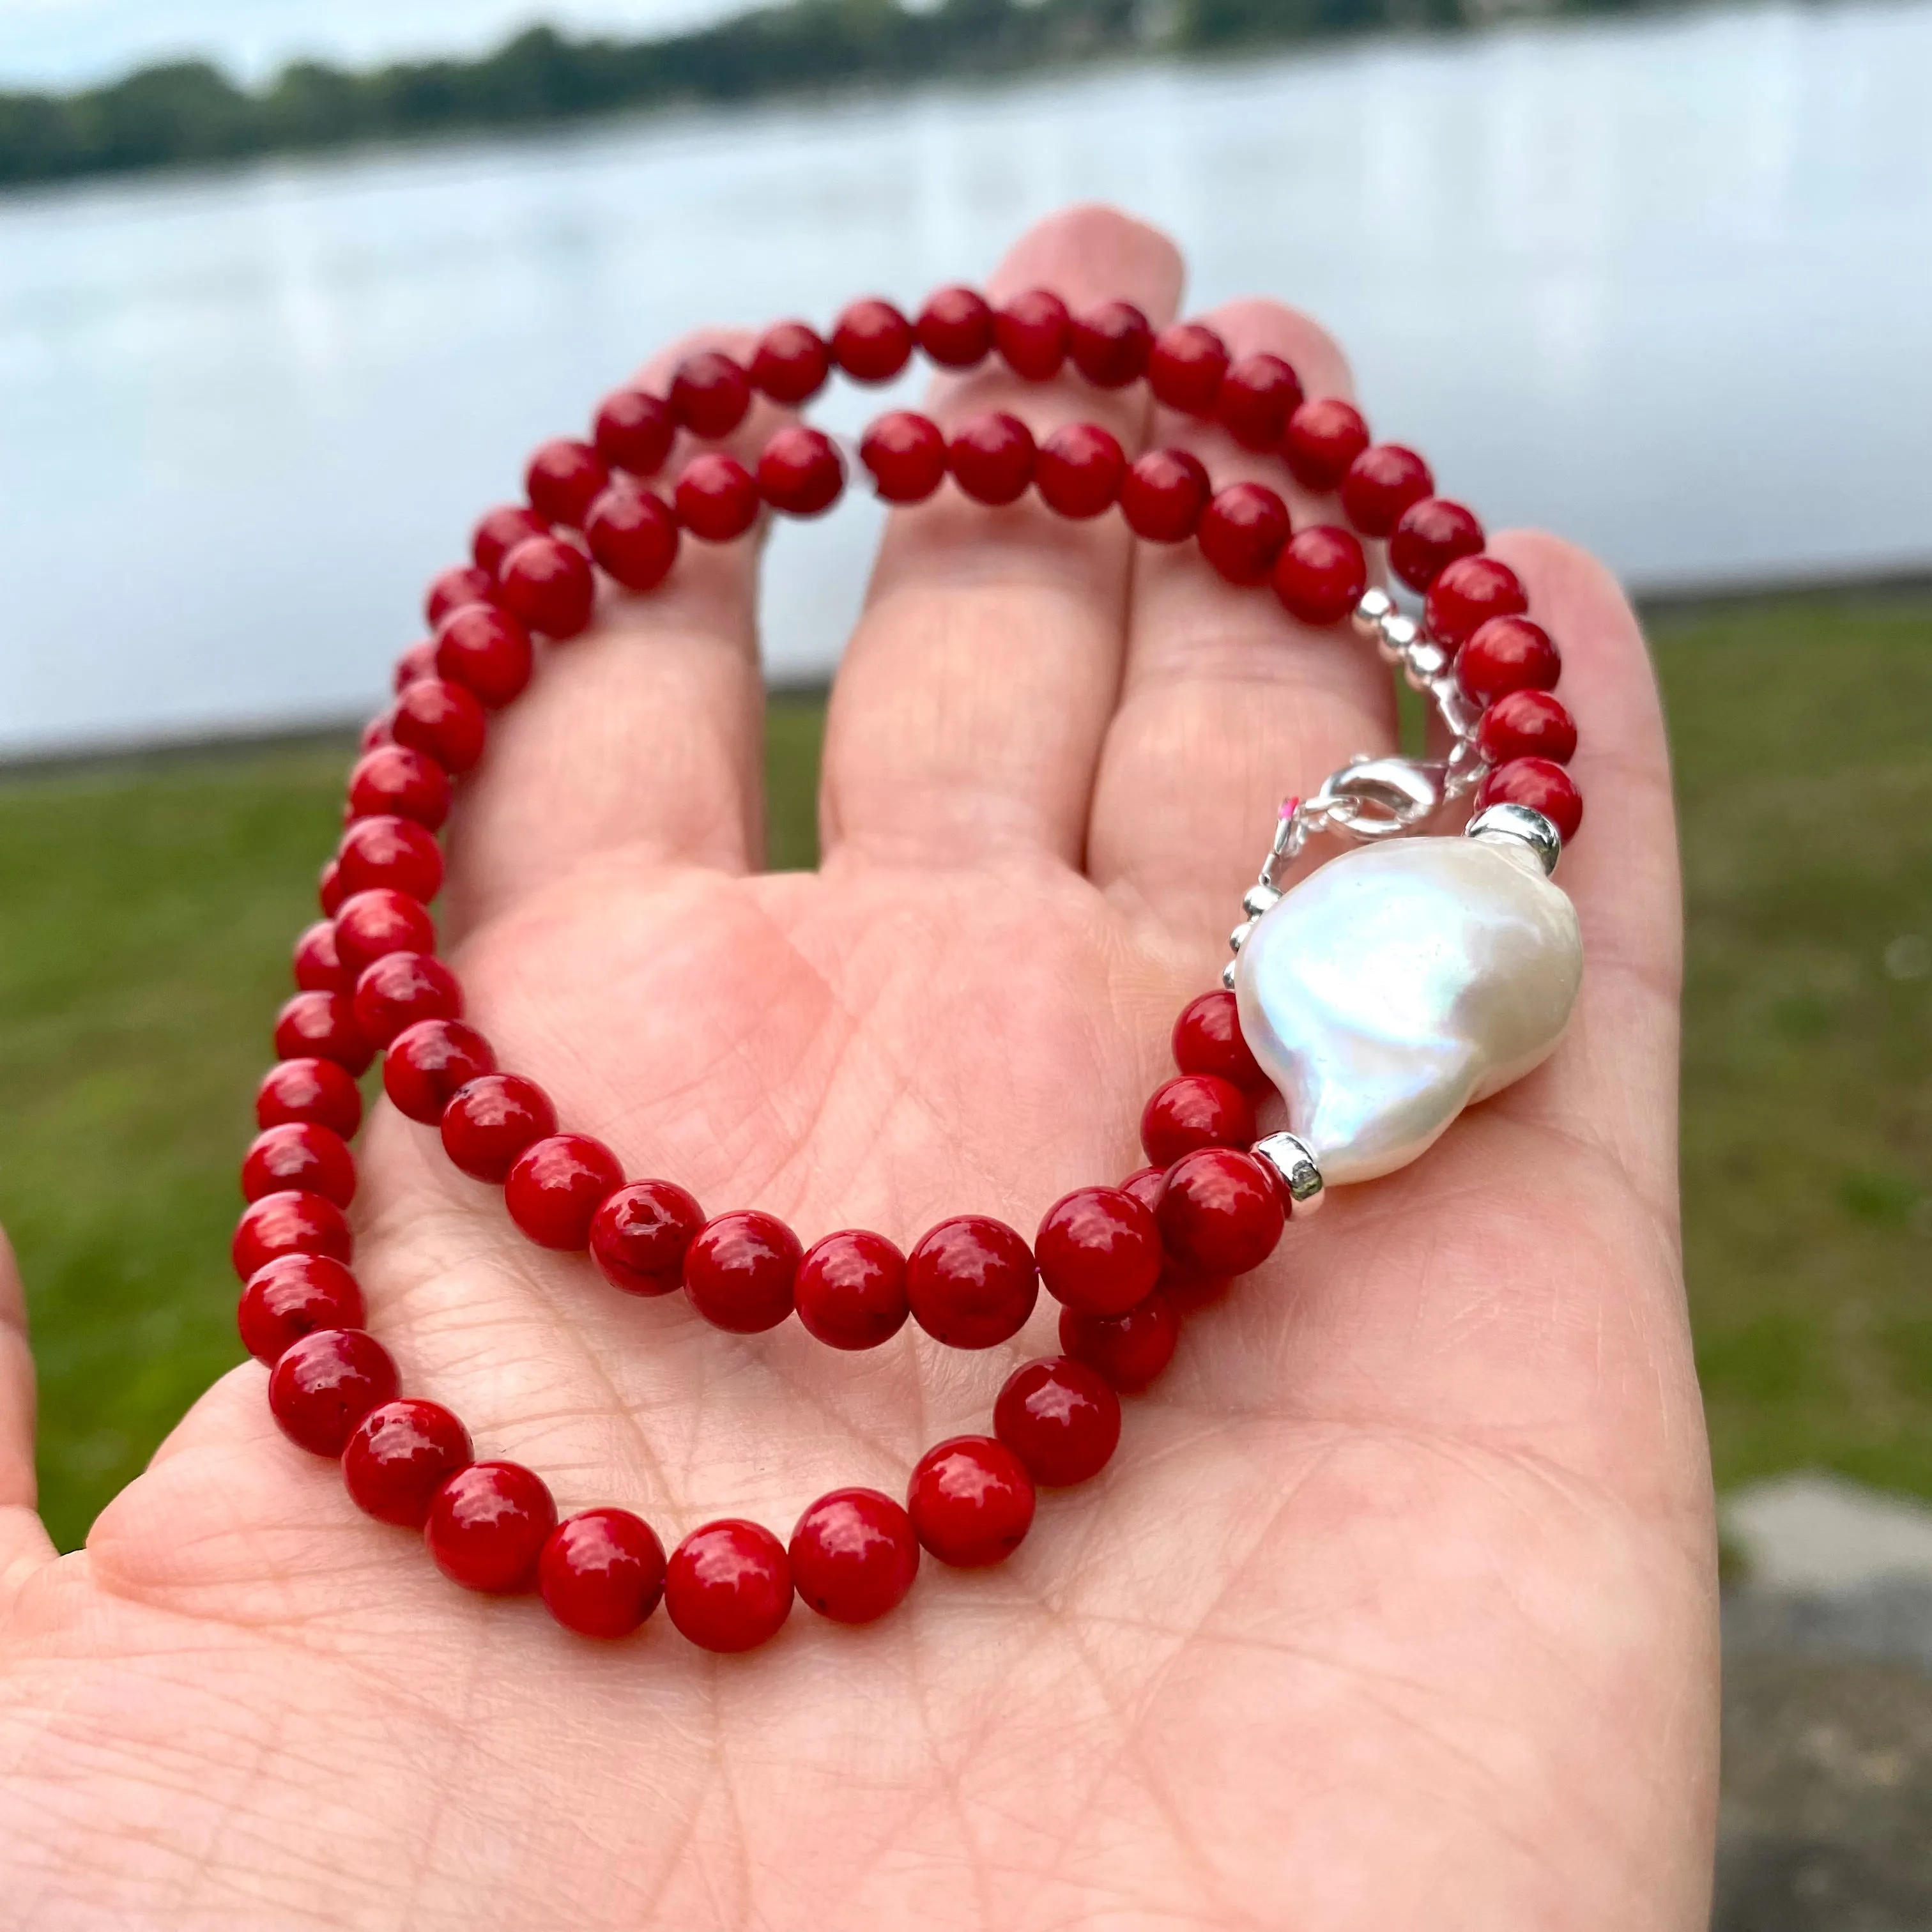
[24,1542]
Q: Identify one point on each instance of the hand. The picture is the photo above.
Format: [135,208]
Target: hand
[1397,1607]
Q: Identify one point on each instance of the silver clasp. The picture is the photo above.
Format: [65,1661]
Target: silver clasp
[1378,798]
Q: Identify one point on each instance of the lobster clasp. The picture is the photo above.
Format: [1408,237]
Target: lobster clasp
[1378,798]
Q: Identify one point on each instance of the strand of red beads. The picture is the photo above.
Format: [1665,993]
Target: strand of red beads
[1125,1262]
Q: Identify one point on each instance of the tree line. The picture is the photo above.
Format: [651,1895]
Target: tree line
[189,111]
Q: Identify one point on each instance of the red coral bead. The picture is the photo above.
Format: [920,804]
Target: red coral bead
[1322,439]
[906,454]
[1380,483]
[485,650]
[318,965]
[791,362]
[500,531]
[395,781]
[955,329]
[290,1223]
[1163,494]
[324,1383]
[602,1573]
[1197,1110]
[322,1026]
[1321,575]
[305,1088]
[419,660]
[639,1236]
[462,583]
[1061,1418]
[1220,1212]
[378,921]
[1242,531]
[1207,1039]
[401,989]
[491,1120]
[633,431]
[400,1454]
[1030,333]
[1185,368]
[387,851]
[1098,1249]
[634,534]
[298,1154]
[442,720]
[557,1185]
[1145,1184]
[487,1525]
[1257,396]
[380,730]
[871,341]
[1110,344]
[292,1297]
[709,393]
[1468,594]
[549,585]
[1527,724]
[971,1282]
[1079,470]
[717,497]
[1430,536]
[853,1556]
[801,471]
[850,1289]
[971,1502]
[992,457]
[1129,1349]
[564,479]
[739,1271]
[1507,654]
[429,1063]
[728,1586]
[329,888]
[1540,784]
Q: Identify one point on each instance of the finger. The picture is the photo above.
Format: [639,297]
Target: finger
[643,735]
[970,706]
[1228,704]
[24,1544]
[1614,1080]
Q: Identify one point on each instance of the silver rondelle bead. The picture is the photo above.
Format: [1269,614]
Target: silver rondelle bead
[1520,823]
[1367,616]
[1239,937]
[1257,899]
[1228,976]
[1288,1155]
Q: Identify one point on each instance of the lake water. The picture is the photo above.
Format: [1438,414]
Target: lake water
[1665,286]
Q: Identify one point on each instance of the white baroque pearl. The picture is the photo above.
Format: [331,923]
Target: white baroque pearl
[1402,982]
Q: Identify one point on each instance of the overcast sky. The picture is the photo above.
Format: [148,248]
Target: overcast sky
[64,43]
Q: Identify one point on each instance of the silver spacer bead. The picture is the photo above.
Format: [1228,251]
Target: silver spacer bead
[1519,822]
[1257,898]
[1239,937]
[1300,1173]
[1425,663]
[1228,976]
[1367,615]
[1397,636]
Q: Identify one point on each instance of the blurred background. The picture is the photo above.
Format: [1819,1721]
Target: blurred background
[288,288]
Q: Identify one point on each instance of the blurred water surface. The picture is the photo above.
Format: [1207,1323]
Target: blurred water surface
[1663,286]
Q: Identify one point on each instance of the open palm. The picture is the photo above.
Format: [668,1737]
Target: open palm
[1394,1609]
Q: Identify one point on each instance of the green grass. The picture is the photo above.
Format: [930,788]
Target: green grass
[146,907]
